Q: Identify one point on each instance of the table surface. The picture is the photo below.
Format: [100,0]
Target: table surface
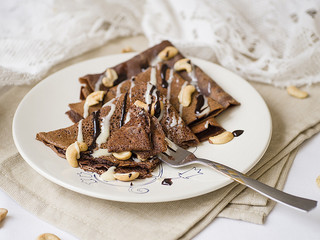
[282,223]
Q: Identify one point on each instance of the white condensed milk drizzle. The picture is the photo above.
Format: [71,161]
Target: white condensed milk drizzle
[80,135]
[99,82]
[105,130]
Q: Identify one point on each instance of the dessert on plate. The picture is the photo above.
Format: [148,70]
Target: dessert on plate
[124,133]
[126,114]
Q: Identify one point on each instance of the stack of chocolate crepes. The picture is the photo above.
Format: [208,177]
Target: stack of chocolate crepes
[127,113]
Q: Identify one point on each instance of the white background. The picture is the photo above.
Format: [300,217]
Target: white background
[282,223]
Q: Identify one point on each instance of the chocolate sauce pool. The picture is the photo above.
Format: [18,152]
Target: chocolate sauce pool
[237,133]
[167,182]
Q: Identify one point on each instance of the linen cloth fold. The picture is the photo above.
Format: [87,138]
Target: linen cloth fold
[294,121]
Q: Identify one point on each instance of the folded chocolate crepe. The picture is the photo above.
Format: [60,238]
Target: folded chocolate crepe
[150,57]
[199,114]
[121,125]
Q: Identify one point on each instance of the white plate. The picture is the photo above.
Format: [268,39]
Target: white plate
[43,108]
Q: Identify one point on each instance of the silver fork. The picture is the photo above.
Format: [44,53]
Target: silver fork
[179,157]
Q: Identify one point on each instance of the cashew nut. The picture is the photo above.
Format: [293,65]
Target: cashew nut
[183,64]
[94,98]
[318,181]
[141,158]
[47,236]
[221,138]
[73,152]
[108,175]
[140,104]
[127,49]
[168,53]
[110,76]
[126,177]
[3,213]
[122,155]
[82,146]
[143,105]
[185,95]
[296,92]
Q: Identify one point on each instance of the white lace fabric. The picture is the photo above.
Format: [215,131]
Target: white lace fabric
[270,41]
[274,42]
[36,35]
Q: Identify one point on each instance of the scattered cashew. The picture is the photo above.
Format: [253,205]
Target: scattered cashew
[127,49]
[318,181]
[296,92]
[3,213]
[122,155]
[126,177]
[73,153]
[221,138]
[183,64]
[168,53]
[110,76]
[94,98]
[185,95]
[47,236]
[108,175]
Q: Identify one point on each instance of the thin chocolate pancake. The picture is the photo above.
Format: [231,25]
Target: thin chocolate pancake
[77,110]
[137,128]
[120,126]
[59,140]
[169,84]
[157,139]
[206,128]
[132,67]
[141,89]
[104,125]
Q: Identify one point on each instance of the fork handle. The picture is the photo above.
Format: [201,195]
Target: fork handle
[270,192]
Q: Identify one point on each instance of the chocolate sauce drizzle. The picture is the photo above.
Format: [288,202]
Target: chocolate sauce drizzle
[237,133]
[167,182]
[200,103]
[152,90]
[157,106]
[96,128]
[163,72]
[150,93]
[157,109]
[123,110]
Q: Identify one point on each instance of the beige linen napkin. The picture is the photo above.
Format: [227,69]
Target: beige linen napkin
[294,120]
